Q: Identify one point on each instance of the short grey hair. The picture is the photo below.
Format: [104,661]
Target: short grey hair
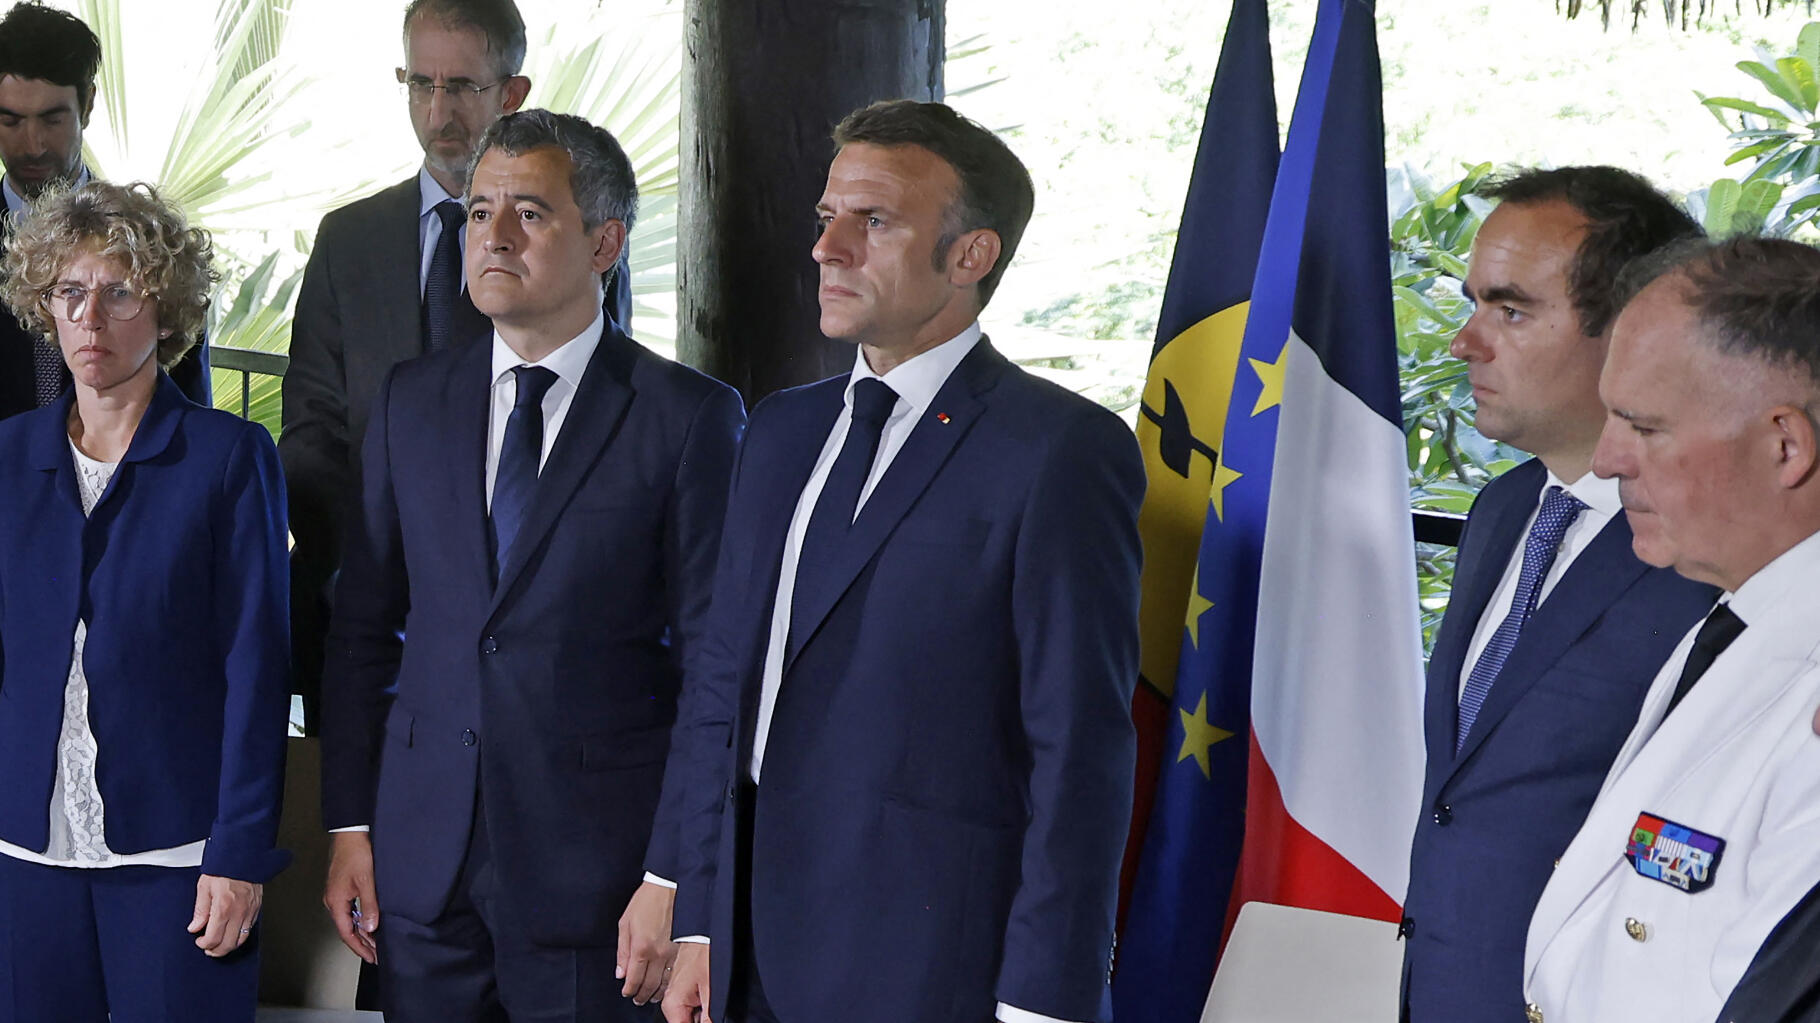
[600,174]
[497,21]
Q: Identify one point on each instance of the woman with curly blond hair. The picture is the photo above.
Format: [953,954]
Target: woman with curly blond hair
[142,638]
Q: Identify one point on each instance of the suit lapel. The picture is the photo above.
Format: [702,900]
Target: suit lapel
[1595,581]
[594,413]
[957,406]
[1492,536]
[470,396]
[393,264]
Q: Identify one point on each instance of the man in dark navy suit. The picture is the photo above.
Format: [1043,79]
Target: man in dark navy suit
[1555,629]
[908,759]
[48,63]
[529,572]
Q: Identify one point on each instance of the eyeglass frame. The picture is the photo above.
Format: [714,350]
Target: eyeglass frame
[73,314]
[422,89]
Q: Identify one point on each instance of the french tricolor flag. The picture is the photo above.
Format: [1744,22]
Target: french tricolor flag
[1302,629]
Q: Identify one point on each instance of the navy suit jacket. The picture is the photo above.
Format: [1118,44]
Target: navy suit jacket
[359,313]
[947,776]
[1782,984]
[1497,816]
[180,573]
[555,690]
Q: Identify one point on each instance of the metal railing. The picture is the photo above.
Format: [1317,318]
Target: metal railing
[248,363]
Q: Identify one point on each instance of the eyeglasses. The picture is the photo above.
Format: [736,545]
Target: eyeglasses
[422,90]
[70,301]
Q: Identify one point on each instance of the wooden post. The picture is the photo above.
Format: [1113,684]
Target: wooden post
[764,83]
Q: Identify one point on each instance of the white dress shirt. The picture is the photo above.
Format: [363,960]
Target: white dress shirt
[1601,500]
[429,230]
[78,835]
[568,362]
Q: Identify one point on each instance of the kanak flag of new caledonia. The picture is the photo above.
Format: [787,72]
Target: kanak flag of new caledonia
[1301,630]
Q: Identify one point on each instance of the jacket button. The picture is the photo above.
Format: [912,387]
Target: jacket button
[1407,928]
[1533,1013]
[489,645]
[1443,815]
[1637,929]
[468,738]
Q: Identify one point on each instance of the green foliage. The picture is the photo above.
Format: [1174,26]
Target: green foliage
[1778,139]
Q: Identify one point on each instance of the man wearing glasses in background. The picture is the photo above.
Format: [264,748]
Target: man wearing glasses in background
[48,63]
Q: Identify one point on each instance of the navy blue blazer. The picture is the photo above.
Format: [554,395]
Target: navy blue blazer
[1782,984]
[947,776]
[180,573]
[1497,816]
[555,690]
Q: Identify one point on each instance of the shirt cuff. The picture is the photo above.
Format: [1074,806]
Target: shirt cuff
[358,827]
[651,878]
[692,939]
[1013,1014]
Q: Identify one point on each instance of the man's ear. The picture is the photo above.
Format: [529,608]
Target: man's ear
[513,92]
[609,243]
[974,255]
[1796,456]
[88,106]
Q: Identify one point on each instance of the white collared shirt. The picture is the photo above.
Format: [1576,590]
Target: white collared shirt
[568,362]
[1602,503]
[429,228]
[916,381]
[16,203]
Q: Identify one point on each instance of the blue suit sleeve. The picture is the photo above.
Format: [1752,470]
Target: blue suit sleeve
[696,512]
[366,635]
[1074,604]
[251,592]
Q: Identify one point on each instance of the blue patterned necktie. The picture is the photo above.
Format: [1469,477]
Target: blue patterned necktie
[519,453]
[442,288]
[838,505]
[1559,509]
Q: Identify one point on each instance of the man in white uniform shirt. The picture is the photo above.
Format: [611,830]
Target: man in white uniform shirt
[1707,829]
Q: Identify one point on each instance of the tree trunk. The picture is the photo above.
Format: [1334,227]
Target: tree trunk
[764,84]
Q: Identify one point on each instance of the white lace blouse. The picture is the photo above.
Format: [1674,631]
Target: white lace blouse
[77,835]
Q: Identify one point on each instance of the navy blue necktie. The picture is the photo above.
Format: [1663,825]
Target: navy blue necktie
[519,453]
[442,288]
[836,508]
[1559,509]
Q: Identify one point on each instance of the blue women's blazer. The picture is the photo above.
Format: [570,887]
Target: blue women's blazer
[1496,816]
[180,574]
[947,776]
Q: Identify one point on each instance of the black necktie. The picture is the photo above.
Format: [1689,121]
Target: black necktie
[835,509]
[442,288]
[1716,633]
[519,452]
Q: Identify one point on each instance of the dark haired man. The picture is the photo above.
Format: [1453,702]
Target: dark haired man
[48,63]
[384,284]
[1554,628]
[527,576]
[908,756]
[1707,829]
